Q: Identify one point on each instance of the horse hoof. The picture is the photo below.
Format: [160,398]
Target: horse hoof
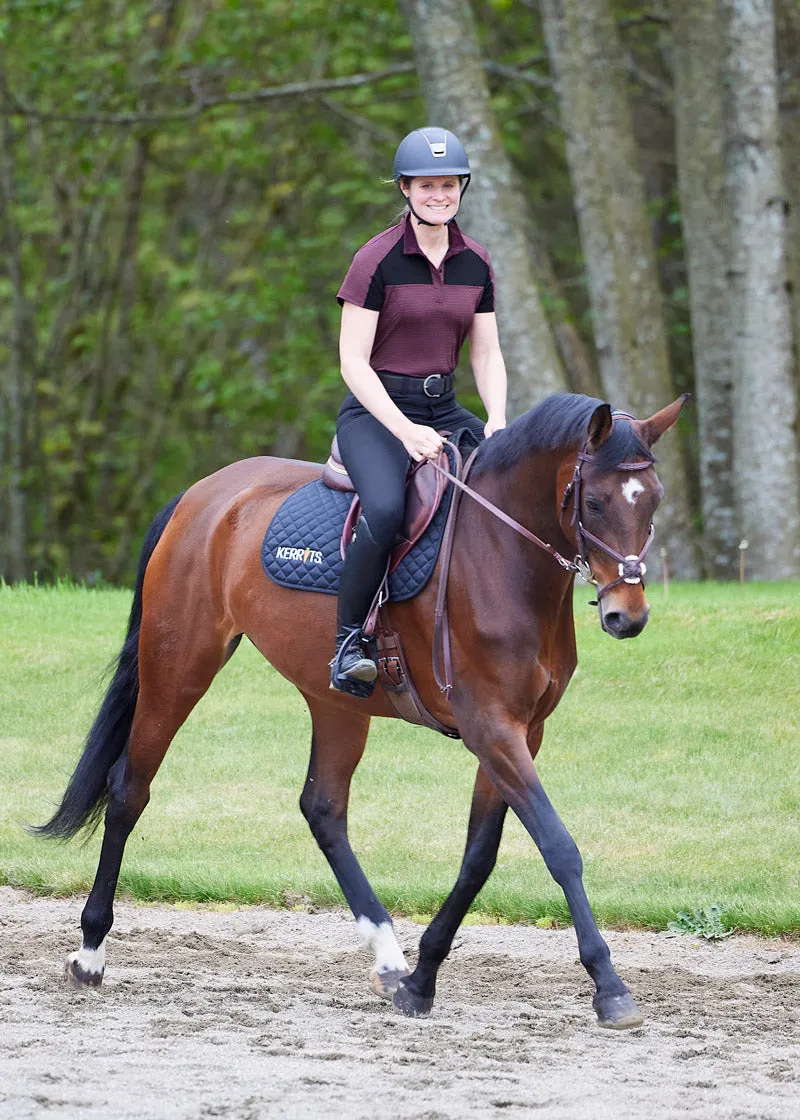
[617,1013]
[412,1005]
[384,983]
[79,977]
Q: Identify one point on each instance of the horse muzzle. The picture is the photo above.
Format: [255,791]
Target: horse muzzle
[620,621]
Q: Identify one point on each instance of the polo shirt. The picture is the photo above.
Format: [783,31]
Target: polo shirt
[425,312]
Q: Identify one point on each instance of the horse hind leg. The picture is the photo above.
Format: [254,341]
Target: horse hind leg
[337,744]
[170,687]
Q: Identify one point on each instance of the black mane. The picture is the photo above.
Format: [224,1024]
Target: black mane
[561,420]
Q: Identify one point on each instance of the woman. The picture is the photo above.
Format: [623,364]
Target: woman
[411,297]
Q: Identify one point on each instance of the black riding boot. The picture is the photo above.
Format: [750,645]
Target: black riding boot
[353,668]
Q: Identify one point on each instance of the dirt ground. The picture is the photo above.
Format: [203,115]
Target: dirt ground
[259,1013]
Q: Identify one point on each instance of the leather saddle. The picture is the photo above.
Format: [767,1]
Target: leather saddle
[424,490]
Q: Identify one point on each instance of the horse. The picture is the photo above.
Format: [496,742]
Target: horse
[580,474]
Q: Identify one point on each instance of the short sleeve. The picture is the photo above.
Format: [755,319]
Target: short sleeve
[363,285]
[486,302]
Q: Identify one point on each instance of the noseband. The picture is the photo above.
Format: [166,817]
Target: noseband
[631,568]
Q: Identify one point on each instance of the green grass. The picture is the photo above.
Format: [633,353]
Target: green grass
[674,760]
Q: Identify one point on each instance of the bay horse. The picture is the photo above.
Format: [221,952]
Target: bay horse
[580,476]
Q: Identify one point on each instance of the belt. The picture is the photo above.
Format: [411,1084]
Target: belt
[434,385]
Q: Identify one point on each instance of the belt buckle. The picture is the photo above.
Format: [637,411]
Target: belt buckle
[433,377]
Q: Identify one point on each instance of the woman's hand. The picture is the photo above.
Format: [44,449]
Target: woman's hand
[494,424]
[421,442]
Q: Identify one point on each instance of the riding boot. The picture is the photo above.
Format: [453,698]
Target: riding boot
[353,668]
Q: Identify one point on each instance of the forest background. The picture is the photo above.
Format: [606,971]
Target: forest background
[183,184]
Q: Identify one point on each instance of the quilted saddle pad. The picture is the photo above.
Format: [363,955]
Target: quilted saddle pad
[301,545]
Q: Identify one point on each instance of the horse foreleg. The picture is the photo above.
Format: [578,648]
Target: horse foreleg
[507,760]
[337,744]
[415,994]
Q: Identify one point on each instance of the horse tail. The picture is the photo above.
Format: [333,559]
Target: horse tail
[86,795]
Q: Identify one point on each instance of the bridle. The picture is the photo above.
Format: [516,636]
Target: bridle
[631,568]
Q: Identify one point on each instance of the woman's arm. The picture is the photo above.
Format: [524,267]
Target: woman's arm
[489,369]
[355,347]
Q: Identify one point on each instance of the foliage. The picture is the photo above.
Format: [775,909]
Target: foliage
[177,275]
[706,922]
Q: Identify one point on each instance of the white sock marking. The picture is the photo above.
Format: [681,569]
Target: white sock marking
[91,961]
[388,954]
[631,490]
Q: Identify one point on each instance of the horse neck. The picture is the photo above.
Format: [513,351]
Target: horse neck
[530,491]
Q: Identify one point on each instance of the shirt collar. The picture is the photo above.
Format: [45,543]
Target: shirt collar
[411,245]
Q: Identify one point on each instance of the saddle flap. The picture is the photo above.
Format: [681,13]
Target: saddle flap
[424,490]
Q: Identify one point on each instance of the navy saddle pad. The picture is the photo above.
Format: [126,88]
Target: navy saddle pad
[301,546]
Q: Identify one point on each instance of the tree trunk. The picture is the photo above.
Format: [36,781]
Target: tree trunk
[16,559]
[765,453]
[586,58]
[788,40]
[453,82]
[699,122]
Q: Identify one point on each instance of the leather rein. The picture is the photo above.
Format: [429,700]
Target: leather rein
[631,568]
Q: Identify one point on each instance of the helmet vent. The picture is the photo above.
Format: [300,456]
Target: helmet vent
[439,149]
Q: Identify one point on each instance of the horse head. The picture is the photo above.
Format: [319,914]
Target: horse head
[611,500]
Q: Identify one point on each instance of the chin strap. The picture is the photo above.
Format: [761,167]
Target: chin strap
[422,221]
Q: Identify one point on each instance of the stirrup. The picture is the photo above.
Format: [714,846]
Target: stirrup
[359,679]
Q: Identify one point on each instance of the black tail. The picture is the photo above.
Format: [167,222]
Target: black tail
[85,797]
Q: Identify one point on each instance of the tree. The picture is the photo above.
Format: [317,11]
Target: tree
[447,52]
[787,15]
[699,123]
[13,414]
[627,314]
[186,193]
[765,454]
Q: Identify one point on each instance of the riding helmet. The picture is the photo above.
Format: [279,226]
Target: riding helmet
[430,151]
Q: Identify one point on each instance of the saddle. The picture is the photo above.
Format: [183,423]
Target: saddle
[425,487]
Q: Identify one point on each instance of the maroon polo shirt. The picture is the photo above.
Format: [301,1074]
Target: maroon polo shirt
[425,312]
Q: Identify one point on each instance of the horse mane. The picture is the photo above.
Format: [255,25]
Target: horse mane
[561,420]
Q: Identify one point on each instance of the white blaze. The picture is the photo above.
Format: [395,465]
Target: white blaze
[631,490]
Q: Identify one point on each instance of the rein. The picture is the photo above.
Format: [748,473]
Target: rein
[631,568]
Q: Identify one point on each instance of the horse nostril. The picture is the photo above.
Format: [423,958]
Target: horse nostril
[613,621]
[621,625]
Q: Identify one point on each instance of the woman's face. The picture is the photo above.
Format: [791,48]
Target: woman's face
[435,199]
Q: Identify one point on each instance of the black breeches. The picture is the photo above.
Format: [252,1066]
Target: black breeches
[378,465]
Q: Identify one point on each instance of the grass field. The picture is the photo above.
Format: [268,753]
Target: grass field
[674,760]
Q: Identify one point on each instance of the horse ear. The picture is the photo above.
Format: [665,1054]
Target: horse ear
[662,421]
[599,427]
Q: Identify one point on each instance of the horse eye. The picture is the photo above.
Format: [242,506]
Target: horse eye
[593,505]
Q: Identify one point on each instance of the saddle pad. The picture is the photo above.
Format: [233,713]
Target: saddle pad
[301,545]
